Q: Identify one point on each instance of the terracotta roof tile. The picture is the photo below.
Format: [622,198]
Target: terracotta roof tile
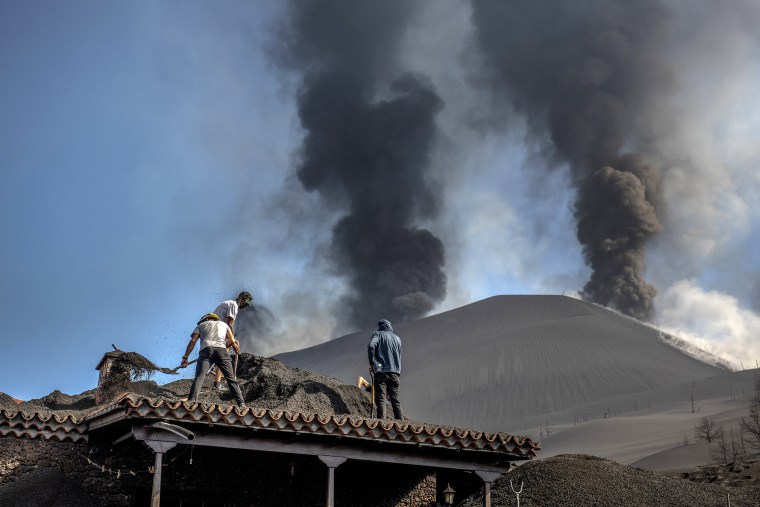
[45,426]
[67,427]
[403,432]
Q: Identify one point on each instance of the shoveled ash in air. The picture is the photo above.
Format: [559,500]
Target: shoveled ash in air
[126,368]
[265,382]
[587,480]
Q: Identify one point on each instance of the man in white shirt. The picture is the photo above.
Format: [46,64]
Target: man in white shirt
[227,312]
[216,337]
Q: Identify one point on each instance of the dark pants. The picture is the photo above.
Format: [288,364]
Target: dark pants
[221,358]
[387,383]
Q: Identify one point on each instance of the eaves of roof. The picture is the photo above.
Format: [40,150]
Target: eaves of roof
[56,427]
[133,407]
[341,427]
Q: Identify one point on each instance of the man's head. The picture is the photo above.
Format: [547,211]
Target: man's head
[384,325]
[244,299]
[208,316]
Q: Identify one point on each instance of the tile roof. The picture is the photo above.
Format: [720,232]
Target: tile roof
[45,426]
[131,406]
[399,432]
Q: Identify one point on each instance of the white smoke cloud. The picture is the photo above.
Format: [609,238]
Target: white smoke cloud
[704,261]
[710,320]
[710,196]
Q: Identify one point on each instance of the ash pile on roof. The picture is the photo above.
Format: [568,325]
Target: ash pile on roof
[268,383]
[265,382]
[6,401]
[587,480]
[273,385]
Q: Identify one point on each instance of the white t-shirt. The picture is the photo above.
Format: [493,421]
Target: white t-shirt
[227,309]
[213,333]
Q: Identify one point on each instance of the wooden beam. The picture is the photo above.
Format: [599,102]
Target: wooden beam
[487,476]
[104,421]
[382,453]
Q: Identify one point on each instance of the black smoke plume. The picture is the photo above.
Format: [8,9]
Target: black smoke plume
[369,129]
[588,76]
[615,219]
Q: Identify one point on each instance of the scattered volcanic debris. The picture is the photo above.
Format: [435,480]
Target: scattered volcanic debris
[588,480]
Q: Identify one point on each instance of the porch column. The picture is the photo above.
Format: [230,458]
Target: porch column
[332,463]
[488,478]
[159,447]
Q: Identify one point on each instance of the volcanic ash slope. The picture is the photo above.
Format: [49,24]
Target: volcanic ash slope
[510,362]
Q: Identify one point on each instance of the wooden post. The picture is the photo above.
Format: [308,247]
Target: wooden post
[332,463]
[488,478]
[159,447]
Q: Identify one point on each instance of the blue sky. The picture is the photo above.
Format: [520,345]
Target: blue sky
[127,136]
[146,152]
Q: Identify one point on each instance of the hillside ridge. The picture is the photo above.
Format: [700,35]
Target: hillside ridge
[522,357]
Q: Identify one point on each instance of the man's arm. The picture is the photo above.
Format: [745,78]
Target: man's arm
[232,342]
[190,347]
[231,313]
[371,348]
[230,322]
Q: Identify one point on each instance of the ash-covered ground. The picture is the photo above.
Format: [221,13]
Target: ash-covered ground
[572,480]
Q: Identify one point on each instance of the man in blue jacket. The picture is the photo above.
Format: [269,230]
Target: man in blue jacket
[384,351]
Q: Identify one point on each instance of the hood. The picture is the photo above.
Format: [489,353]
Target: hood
[384,325]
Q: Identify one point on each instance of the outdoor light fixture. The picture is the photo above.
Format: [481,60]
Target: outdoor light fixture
[448,495]
[291,470]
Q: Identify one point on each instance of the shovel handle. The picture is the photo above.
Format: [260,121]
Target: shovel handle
[185,366]
[372,395]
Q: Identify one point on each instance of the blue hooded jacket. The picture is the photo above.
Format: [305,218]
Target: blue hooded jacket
[384,349]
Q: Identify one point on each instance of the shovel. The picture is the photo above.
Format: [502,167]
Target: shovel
[173,371]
